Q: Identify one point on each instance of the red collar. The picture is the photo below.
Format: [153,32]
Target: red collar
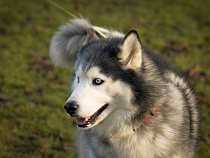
[154,109]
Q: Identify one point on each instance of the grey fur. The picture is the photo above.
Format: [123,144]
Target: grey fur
[70,38]
[135,89]
[67,41]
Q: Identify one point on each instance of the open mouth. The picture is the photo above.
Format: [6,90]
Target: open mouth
[88,121]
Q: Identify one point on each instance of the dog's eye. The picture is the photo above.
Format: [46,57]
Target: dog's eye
[97,81]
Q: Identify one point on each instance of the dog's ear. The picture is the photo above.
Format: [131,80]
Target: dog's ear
[131,51]
[91,35]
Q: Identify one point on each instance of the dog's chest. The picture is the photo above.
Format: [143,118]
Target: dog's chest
[115,146]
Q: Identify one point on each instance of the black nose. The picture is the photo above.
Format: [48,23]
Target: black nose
[71,108]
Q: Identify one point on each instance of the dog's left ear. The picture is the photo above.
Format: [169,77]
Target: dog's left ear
[131,51]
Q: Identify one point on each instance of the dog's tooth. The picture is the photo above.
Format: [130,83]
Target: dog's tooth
[86,119]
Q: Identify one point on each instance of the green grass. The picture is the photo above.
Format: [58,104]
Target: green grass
[33,91]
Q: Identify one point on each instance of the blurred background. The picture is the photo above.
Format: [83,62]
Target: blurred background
[33,122]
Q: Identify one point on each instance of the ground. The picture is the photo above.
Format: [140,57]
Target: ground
[33,91]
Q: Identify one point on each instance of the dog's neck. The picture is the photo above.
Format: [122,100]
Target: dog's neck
[151,113]
[110,132]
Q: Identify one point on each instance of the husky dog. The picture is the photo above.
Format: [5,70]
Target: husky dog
[128,102]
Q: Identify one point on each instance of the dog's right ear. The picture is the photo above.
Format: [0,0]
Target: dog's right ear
[91,35]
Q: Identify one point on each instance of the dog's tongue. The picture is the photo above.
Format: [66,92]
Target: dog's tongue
[81,121]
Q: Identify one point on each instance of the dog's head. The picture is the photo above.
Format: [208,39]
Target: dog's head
[102,79]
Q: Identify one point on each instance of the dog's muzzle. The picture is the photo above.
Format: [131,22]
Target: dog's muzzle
[82,122]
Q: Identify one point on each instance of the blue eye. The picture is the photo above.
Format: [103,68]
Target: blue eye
[97,81]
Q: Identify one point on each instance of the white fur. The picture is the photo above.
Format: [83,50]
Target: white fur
[164,135]
[91,98]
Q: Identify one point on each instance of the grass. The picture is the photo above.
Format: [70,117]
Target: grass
[33,91]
